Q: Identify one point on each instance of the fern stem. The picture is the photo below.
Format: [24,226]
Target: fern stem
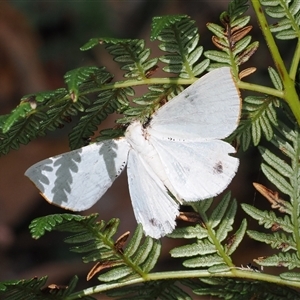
[295,201]
[260,89]
[295,62]
[290,94]
[211,233]
[241,274]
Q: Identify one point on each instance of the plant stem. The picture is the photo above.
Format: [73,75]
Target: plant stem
[295,195]
[240,274]
[290,94]
[260,89]
[295,62]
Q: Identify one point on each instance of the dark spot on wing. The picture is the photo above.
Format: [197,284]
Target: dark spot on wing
[171,139]
[154,222]
[218,167]
[119,171]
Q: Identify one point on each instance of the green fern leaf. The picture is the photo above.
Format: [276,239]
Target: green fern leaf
[275,162]
[243,134]
[130,54]
[286,14]
[189,232]
[202,247]
[282,144]
[108,102]
[284,174]
[35,289]
[181,39]
[51,110]
[290,276]
[19,112]
[76,79]
[219,212]
[287,260]
[234,241]
[226,224]
[116,274]
[232,39]
[279,181]
[213,230]
[23,289]
[148,103]
[275,79]
[160,23]
[94,239]
[268,218]
[218,56]
[226,288]
[237,8]
[203,261]
[260,119]
[40,225]
[276,240]
[164,290]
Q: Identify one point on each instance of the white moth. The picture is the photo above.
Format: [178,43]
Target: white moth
[179,152]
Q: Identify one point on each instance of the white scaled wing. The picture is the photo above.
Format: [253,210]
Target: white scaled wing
[197,170]
[207,109]
[76,180]
[152,205]
[186,134]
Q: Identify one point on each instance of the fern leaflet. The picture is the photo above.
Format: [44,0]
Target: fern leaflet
[284,173]
[287,12]
[94,239]
[208,250]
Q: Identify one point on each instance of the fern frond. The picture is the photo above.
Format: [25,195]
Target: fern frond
[85,79]
[282,169]
[287,18]
[164,290]
[277,170]
[287,259]
[132,55]
[259,119]
[241,290]
[107,103]
[31,118]
[232,40]
[180,39]
[268,218]
[277,240]
[208,249]
[94,239]
[148,103]
[35,289]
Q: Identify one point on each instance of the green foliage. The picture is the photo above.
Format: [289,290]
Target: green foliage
[35,289]
[243,290]
[180,41]
[232,39]
[208,250]
[259,118]
[281,169]
[287,13]
[94,239]
[270,120]
[164,290]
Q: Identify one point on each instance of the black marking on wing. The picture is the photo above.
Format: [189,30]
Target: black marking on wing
[218,167]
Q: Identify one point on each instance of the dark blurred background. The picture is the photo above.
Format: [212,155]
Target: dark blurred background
[39,43]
